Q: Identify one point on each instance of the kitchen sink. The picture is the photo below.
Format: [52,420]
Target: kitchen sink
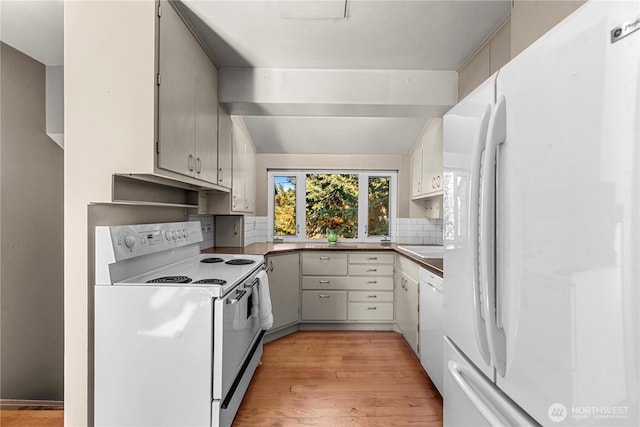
[423,251]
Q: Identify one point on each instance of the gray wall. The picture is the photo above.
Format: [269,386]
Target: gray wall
[31,231]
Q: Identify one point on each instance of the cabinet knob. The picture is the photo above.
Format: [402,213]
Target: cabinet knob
[220,175]
[372,270]
[323,296]
[373,258]
[372,308]
[372,296]
[198,165]
[325,258]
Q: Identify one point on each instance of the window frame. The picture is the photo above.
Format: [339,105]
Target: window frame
[363,203]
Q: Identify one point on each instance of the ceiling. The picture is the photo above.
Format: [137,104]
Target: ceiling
[35,28]
[353,40]
[326,36]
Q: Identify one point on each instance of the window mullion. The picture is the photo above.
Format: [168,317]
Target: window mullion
[301,201]
[363,206]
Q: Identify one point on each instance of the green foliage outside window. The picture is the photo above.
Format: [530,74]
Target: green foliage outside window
[285,206]
[328,196]
[378,206]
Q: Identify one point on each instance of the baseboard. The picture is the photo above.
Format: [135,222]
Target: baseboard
[346,327]
[30,404]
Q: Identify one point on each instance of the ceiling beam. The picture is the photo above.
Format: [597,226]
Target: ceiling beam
[346,93]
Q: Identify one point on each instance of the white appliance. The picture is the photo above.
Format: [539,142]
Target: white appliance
[177,333]
[542,232]
[431,328]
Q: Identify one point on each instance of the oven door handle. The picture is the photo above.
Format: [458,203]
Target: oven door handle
[252,284]
[238,297]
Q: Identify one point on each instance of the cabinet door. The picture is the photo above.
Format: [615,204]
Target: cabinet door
[178,51]
[225,148]
[412,298]
[249,179]
[432,159]
[284,284]
[238,174]
[407,309]
[416,172]
[206,150]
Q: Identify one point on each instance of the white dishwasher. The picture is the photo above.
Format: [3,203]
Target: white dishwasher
[431,327]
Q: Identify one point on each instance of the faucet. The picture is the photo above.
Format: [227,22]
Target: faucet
[385,239]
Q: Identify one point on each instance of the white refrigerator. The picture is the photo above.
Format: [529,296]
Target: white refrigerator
[542,232]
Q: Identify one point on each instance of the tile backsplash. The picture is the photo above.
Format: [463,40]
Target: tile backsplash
[206,222]
[255,229]
[419,231]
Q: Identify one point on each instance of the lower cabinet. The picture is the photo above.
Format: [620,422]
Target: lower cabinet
[347,287]
[371,306]
[407,298]
[284,285]
[324,305]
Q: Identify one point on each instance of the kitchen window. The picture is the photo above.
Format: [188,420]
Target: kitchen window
[302,205]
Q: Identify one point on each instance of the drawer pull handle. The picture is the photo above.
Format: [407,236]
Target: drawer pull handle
[325,258]
[372,296]
[373,258]
[372,308]
[371,282]
[372,270]
[324,281]
[323,296]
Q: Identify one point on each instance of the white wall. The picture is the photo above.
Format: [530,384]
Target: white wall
[109,112]
[31,221]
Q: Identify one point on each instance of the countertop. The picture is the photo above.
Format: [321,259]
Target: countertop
[435,265]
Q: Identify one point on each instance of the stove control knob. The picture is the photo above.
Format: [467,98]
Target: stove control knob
[174,235]
[167,235]
[184,233]
[130,242]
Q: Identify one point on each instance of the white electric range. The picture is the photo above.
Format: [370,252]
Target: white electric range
[177,335]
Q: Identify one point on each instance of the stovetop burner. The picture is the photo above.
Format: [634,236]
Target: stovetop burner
[212,260]
[210,282]
[239,261]
[171,279]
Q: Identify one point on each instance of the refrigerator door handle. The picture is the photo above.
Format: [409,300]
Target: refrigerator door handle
[495,334]
[489,401]
[480,317]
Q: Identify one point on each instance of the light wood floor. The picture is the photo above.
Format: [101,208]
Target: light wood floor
[322,379]
[336,379]
[31,418]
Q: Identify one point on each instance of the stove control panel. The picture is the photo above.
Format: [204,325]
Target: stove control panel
[130,241]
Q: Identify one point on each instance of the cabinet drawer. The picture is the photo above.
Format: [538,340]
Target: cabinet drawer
[326,282]
[371,258]
[370,270]
[370,296]
[324,305]
[371,311]
[348,283]
[324,263]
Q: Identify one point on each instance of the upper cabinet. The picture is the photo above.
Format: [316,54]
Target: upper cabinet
[225,148]
[426,162]
[488,58]
[187,102]
[243,190]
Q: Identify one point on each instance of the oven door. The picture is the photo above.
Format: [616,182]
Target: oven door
[235,333]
